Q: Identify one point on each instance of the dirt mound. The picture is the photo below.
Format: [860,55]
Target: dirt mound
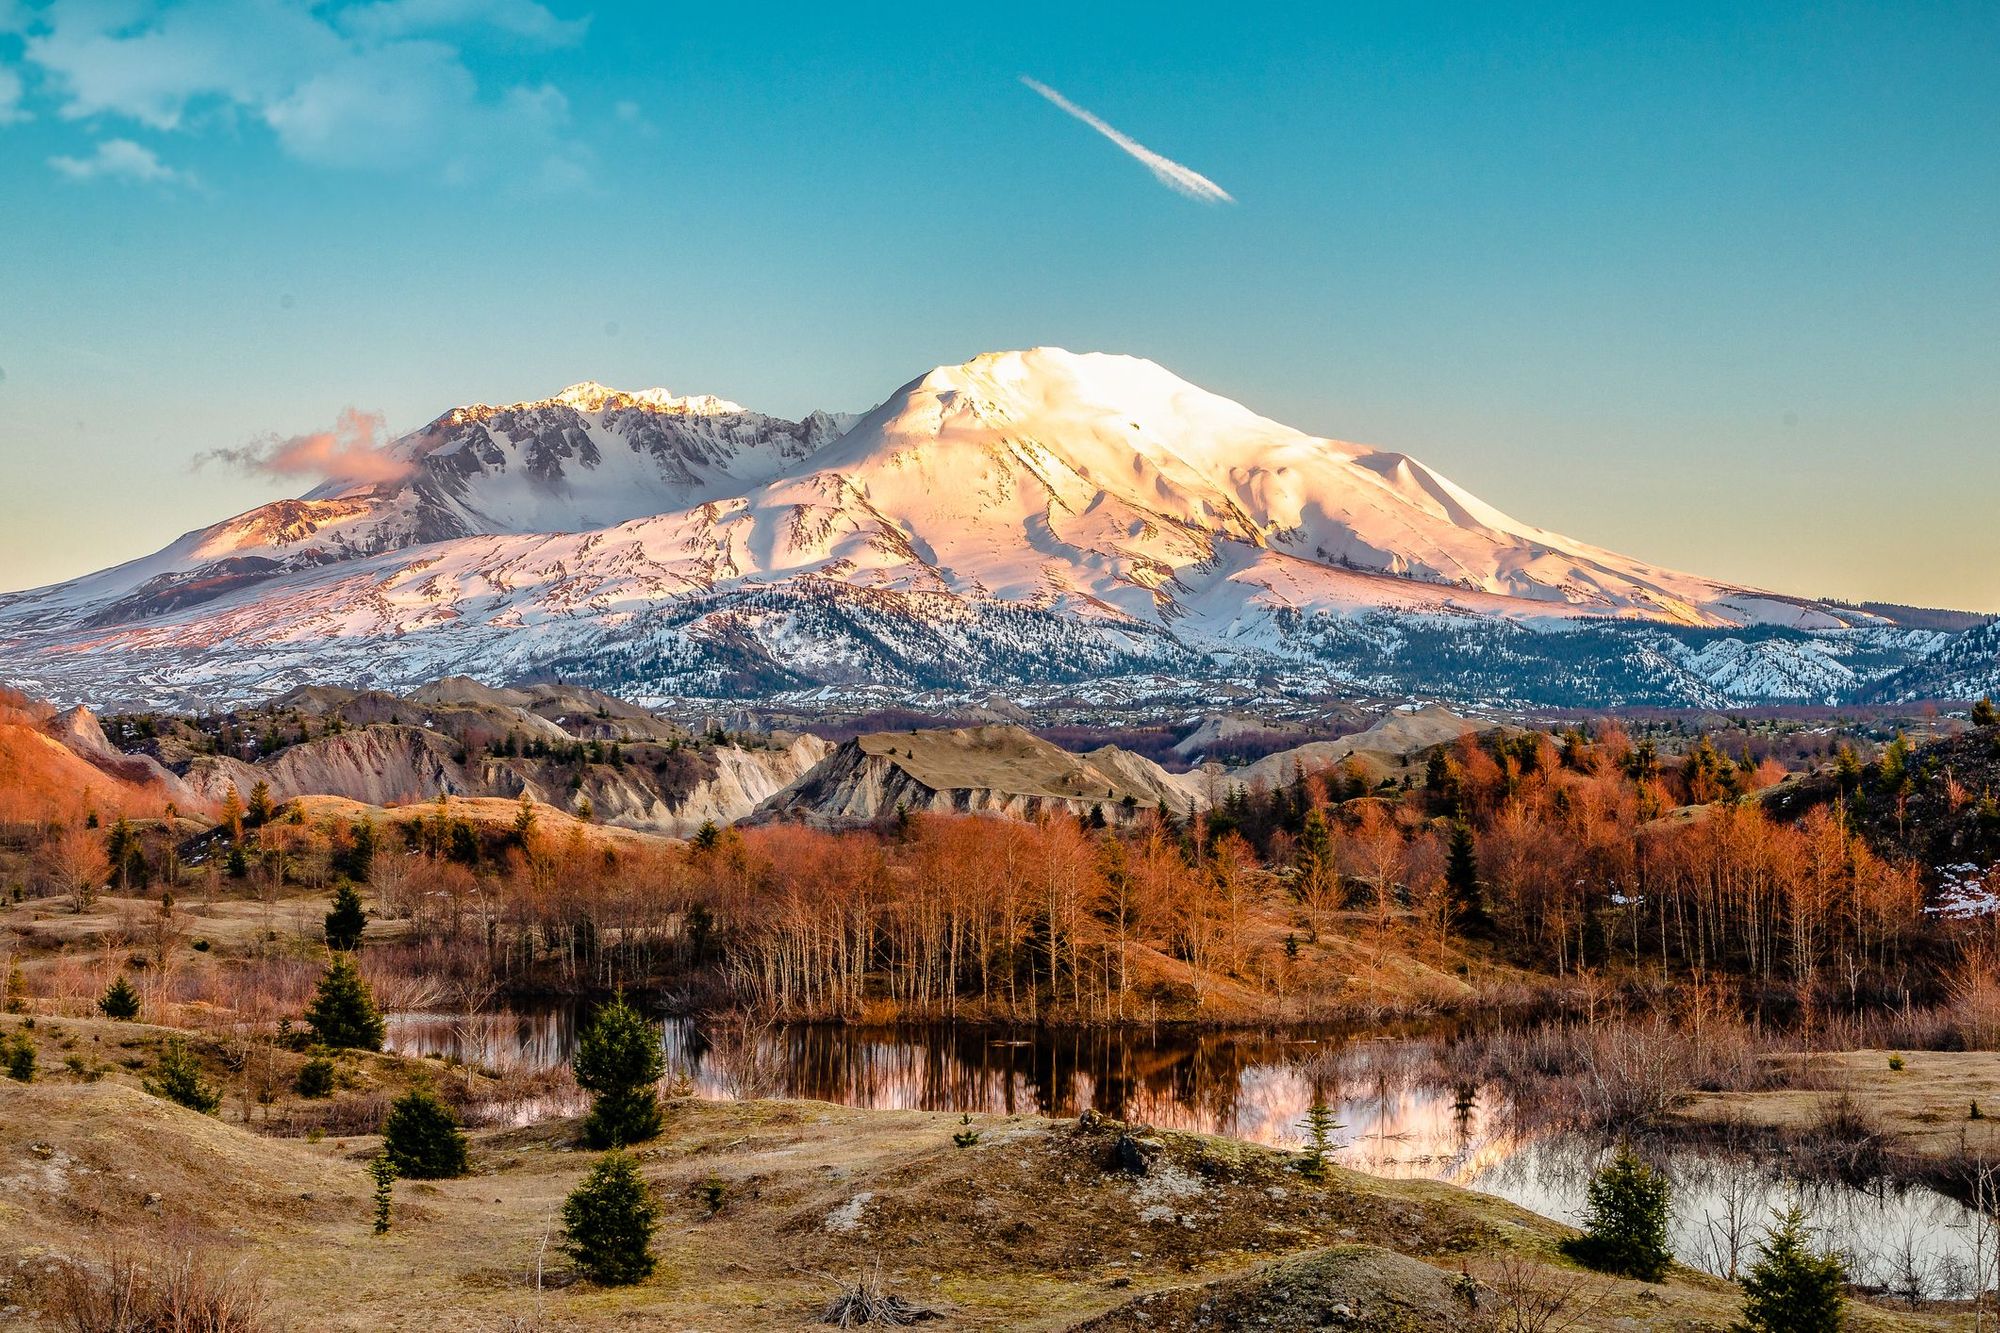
[80,1163]
[1357,1287]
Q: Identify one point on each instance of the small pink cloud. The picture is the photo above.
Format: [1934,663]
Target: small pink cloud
[354,451]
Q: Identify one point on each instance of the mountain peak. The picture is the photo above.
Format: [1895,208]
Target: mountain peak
[592,397]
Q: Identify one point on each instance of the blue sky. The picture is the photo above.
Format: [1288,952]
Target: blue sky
[1712,285]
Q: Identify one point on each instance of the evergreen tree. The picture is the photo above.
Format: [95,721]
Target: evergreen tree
[126,858]
[524,821]
[608,1223]
[232,814]
[343,1014]
[120,1001]
[422,1138]
[260,810]
[1847,768]
[19,1056]
[1984,714]
[619,1060]
[1461,877]
[464,847]
[347,920]
[1318,877]
[1319,1125]
[1790,1288]
[384,1173]
[1895,769]
[315,1078]
[1625,1220]
[177,1077]
[706,836]
[16,999]
[237,865]
[357,859]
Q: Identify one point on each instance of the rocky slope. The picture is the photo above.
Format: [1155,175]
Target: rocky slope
[997,770]
[558,745]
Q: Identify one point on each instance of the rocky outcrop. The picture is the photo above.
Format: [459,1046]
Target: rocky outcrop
[398,765]
[997,770]
[79,731]
[381,765]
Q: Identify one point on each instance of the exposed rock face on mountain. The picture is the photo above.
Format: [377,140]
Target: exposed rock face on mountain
[79,730]
[996,770]
[573,749]
[388,765]
[588,458]
[51,769]
[558,745]
[1025,518]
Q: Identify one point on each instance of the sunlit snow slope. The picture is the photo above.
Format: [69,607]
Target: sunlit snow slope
[1029,515]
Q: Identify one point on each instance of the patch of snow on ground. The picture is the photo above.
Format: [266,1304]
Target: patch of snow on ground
[1966,892]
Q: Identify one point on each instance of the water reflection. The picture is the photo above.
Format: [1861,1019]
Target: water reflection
[1400,1116]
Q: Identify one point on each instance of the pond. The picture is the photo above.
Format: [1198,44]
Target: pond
[1398,1116]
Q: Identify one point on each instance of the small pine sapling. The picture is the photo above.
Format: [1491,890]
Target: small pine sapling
[177,1077]
[608,1223]
[1791,1288]
[422,1137]
[384,1172]
[1319,1126]
[1625,1221]
[120,1001]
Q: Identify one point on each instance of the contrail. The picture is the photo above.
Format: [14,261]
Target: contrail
[1183,180]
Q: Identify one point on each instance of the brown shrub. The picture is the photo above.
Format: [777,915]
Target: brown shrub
[169,1290]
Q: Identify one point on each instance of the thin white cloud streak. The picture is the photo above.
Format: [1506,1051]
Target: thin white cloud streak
[1180,179]
[121,159]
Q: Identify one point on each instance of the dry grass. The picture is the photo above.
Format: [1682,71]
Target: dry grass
[1026,1230]
[171,1288]
[1923,1109]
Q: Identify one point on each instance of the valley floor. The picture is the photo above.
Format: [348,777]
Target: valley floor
[1034,1225]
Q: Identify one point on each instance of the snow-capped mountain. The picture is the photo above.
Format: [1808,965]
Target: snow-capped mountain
[1025,517]
[587,458]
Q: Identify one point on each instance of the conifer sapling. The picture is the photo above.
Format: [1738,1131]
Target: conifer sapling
[1625,1220]
[608,1223]
[343,1014]
[346,920]
[177,1077]
[120,1001]
[619,1061]
[422,1138]
[1791,1288]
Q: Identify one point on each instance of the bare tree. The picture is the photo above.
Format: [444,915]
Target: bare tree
[78,862]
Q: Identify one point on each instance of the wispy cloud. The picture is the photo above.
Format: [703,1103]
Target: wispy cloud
[10,96]
[385,85]
[353,451]
[1183,180]
[121,160]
